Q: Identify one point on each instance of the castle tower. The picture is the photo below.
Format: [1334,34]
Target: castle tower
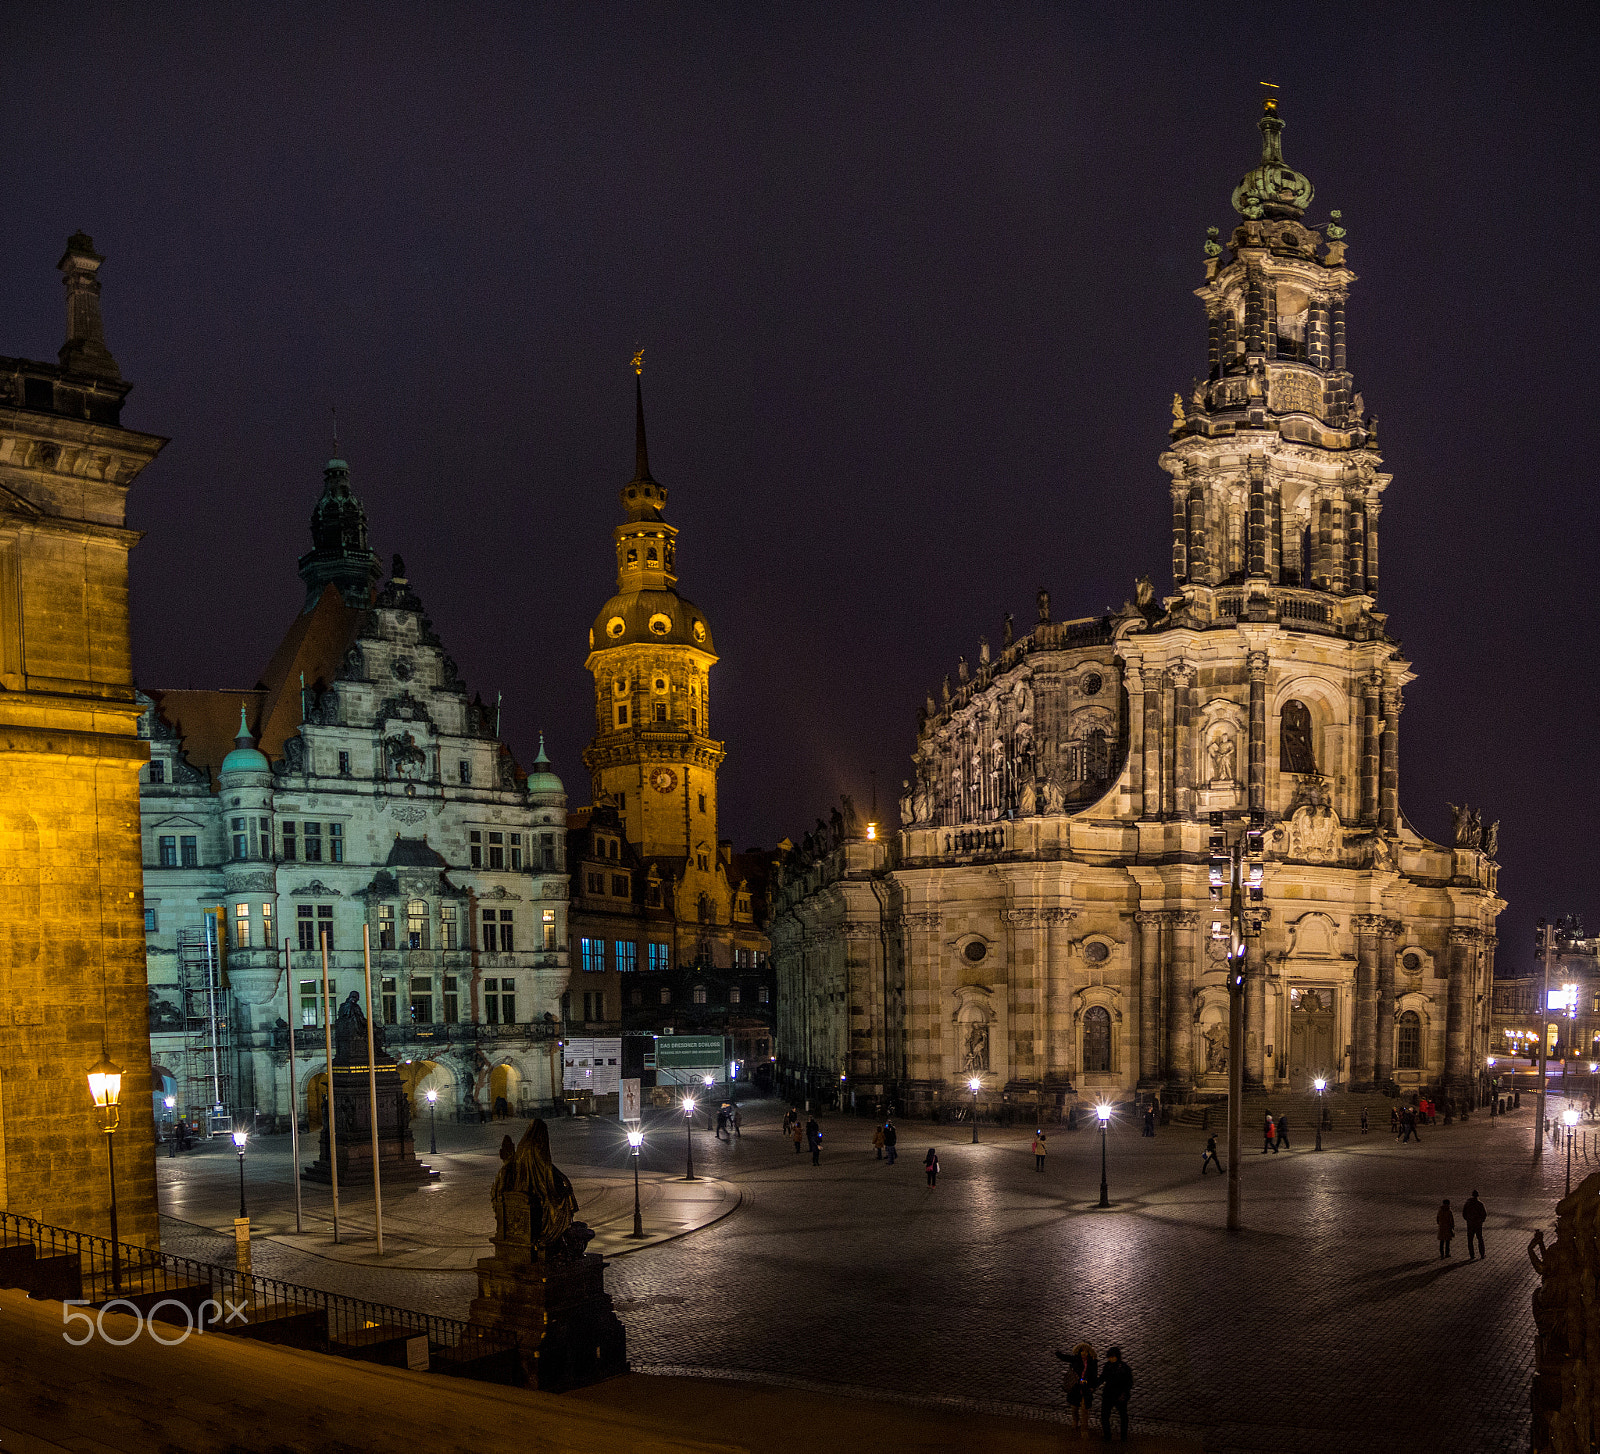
[340,554]
[651,654]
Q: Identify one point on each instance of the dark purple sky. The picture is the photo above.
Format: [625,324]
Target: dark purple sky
[914,285]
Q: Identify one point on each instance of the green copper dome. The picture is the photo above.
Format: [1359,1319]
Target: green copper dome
[244,757]
[1273,189]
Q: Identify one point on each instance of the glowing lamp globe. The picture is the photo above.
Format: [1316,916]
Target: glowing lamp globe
[1103,1112]
[105,1082]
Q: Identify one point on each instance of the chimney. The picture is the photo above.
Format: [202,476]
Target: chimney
[85,350]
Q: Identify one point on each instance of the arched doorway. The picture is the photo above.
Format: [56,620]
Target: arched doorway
[1311,1037]
[316,1093]
[504,1086]
[421,1076]
[164,1087]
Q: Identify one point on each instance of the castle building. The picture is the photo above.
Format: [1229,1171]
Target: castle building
[667,920]
[1043,921]
[71,970]
[356,785]
[1570,1021]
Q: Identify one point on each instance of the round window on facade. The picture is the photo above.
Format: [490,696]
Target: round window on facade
[661,684]
[615,627]
[1091,684]
[976,951]
[660,624]
[699,630]
[1412,962]
[620,686]
[1096,952]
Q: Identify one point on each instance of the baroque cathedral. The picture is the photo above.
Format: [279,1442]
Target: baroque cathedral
[1044,921]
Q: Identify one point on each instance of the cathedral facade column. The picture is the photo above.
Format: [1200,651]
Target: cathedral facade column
[1057,1067]
[1371,742]
[1383,1054]
[1150,923]
[1389,762]
[1169,717]
[1183,773]
[1180,1001]
[1152,745]
[1258,662]
[1255,1012]
[1180,531]
[1133,681]
[1363,1067]
[1458,1011]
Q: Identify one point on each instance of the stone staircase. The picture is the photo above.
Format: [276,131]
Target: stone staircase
[1343,1110]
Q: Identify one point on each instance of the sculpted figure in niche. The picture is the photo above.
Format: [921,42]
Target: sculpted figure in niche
[1222,758]
[1216,1039]
[1296,753]
[976,1059]
[1054,799]
[906,810]
[1028,803]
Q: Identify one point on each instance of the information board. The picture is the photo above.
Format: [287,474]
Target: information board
[592,1065]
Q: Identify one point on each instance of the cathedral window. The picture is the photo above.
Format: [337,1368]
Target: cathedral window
[1096,1041]
[1296,751]
[385,926]
[1408,1037]
[190,849]
[417,924]
[241,926]
[464,770]
[1097,757]
[475,848]
[167,845]
[313,843]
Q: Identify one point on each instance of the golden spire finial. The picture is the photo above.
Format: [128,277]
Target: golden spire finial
[1269,103]
[638,362]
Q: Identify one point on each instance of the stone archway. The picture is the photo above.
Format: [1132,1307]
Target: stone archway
[504,1082]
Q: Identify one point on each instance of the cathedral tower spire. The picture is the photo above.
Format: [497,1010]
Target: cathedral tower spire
[651,655]
[1274,465]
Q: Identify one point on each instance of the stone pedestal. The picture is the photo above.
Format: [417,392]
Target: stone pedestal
[351,1102]
[557,1307]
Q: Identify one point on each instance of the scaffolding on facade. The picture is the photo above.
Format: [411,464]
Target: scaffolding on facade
[208,1032]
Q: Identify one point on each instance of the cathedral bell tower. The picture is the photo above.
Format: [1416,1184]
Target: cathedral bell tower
[651,655]
[1274,464]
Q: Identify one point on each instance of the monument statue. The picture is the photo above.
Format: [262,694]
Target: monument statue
[534,1203]
[1566,1377]
[1044,606]
[350,1032]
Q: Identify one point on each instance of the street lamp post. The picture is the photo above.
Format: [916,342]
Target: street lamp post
[105,1085]
[1321,1085]
[1571,1118]
[688,1133]
[239,1138]
[433,1123]
[710,1081]
[1103,1111]
[635,1143]
[171,1103]
[974,1085]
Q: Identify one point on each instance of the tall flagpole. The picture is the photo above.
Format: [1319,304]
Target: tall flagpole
[327,1090]
[372,1084]
[294,1109]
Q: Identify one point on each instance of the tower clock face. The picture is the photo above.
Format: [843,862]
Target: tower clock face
[663,780]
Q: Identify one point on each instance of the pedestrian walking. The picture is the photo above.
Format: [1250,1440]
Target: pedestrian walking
[1150,1120]
[1268,1144]
[1473,1214]
[890,1136]
[930,1164]
[1079,1380]
[877,1142]
[722,1122]
[814,1141]
[1283,1133]
[1038,1149]
[796,1135]
[1363,1120]
[1394,1120]
[738,1123]
[1416,1134]
[1116,1387]
[789,1118]
[1447,1226]
[1209,1156]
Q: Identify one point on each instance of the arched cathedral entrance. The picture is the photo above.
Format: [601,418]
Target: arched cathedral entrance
[1312,1031]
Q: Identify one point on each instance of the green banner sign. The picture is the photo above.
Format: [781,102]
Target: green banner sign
[689,1052]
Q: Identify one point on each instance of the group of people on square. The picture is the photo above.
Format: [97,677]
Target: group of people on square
[1473,1214]
[1084,1374]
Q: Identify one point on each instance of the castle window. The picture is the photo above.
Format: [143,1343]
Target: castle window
[344,764]
[158,771]
[699,994]
[422,1000]
[650,555]
[666,995]
[336,843]
[660,957]
[661,711]
[385,926]
[168,848]
[308,1002]
[733,995]
[152,922]
[391,1000]
[592,955]
[241,926]
[633,557]
[447,932]
[268,938]
[313,843]
[654,896]
[1096,1040]
[241,848]
[594,1005]
[475,848]
[1296,751]
[307,928]
[762,994]
[516,852]
[452,1002]
[596,883]
[1408,1048]
[191,851]
[417,924]
[497,851]
[627,953]
[464,770]
[549,930]
[619,885]
[325,925]
[547,849]
[694,717]
[614,848]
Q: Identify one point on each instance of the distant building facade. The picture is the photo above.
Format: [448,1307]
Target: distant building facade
[1572,1027]
[1043,922]
[71,971]
[355,786]
[667,920]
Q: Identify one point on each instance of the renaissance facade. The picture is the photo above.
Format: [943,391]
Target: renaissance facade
[355,786]
[1043,922]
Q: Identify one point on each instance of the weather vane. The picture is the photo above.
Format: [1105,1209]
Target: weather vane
[638,362]
[334,410]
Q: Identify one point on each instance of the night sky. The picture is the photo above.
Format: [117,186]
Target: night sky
[914,289]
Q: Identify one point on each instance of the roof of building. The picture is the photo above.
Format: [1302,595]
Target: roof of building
[542,778]
[244,757]
[413,853]
[654,615]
